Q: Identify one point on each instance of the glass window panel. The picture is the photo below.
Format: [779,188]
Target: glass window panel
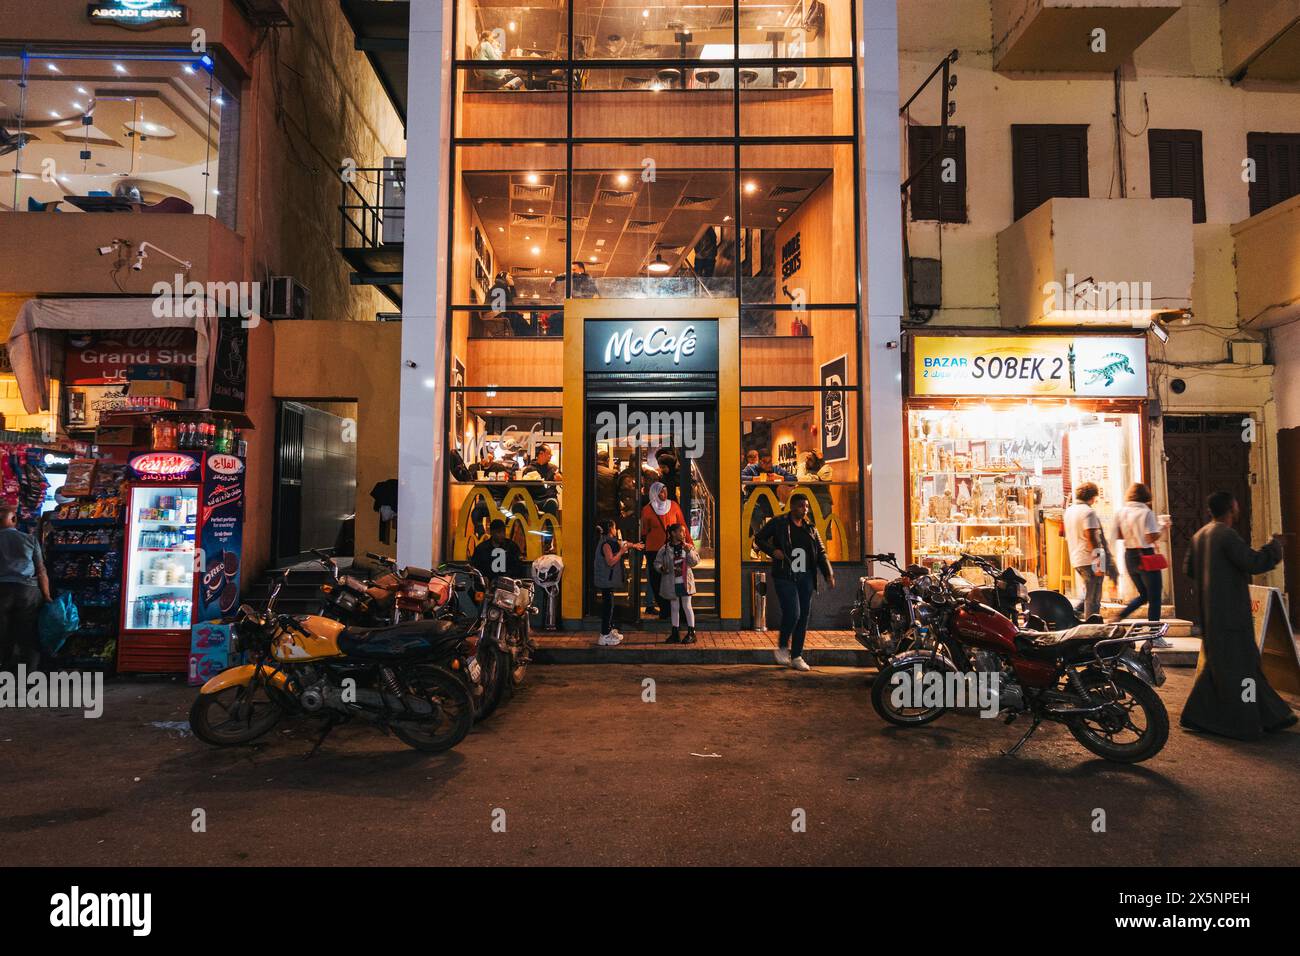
[655,220]
[678,100]
[796,100]
[96,131]
[795,28]
[485,109]
[666,29]
[798,208]
[497,471]
[798,442]
[780,348]
[509,224]
[516,348]
[505,29]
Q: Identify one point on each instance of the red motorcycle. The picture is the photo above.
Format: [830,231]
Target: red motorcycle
[1092,678]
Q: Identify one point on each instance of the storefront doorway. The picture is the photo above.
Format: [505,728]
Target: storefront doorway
[1204,454]
[633,443]
[315,479]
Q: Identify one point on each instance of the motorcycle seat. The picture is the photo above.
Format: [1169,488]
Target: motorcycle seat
[398,640]
[1049,645]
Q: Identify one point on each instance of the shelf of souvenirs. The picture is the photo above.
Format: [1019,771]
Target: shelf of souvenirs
[966,523]
[975,473]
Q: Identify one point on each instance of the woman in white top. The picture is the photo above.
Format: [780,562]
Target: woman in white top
[1136,525]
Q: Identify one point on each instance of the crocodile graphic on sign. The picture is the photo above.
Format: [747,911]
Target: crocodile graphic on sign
[1117,362]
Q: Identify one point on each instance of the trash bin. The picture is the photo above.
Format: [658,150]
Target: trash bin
[758,600]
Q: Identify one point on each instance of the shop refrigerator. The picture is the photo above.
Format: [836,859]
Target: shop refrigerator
[182,542]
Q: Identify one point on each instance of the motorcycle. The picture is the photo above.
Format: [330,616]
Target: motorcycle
[887,616]
[402,678]
[507,603]
[1093,678]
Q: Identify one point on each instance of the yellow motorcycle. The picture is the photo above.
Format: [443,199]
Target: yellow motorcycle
[411,679]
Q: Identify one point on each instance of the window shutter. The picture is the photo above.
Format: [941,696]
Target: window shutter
[928,188]
[1048,162]
[1176,167]
[1277,169]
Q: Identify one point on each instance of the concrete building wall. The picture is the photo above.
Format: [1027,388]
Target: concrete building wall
[1174,81]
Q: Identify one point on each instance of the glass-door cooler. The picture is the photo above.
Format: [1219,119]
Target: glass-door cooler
[158,586]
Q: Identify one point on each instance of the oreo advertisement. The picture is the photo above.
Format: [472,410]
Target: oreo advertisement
[221,536]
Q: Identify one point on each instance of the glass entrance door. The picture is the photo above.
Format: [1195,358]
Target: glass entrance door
[634,445]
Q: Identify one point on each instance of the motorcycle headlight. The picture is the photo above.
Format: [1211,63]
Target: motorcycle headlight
[505,598]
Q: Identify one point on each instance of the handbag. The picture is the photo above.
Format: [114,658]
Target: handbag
[1153,562]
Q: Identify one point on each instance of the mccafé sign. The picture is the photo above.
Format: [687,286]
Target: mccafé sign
[138,14]
[650,345]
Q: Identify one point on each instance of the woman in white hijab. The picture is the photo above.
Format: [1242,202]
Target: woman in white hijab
[659,514]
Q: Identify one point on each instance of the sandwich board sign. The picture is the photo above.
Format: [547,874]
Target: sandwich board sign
[1279,651]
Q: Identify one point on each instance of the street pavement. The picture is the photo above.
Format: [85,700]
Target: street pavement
[581,769]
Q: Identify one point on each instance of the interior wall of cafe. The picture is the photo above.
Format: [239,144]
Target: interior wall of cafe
[1173,81]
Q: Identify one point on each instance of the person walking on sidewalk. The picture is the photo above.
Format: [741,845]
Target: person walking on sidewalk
[1136,525]
[1231,696]
[677,581]
[797,555]
[608,576]
[1083,539]
[23,586]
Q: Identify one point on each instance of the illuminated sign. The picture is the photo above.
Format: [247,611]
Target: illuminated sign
[651,346]
[225,464]
[138,14]
[164,466]
[1051,366]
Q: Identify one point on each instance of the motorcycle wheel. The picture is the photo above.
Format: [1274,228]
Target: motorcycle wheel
[234,716]
[494,663]
[453,711]
[881,696]
[1117,735]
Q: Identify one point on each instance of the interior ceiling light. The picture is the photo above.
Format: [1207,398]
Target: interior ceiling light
[751,187]
[658,266]
[532,178]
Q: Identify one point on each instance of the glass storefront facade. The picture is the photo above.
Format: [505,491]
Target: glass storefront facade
[92,130]
[691,172]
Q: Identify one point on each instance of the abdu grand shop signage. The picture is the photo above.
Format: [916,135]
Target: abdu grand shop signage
[138,14]
[650,346]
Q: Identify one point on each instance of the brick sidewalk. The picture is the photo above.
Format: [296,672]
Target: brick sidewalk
[825,648]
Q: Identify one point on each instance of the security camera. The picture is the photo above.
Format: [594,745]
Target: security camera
[107,250]
[138,265]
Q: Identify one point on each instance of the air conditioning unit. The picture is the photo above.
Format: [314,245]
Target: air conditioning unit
[926,290]
[288,299]
[264,13]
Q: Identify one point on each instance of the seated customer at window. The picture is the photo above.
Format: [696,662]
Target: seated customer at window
[487,49]
[541,468]
[766,470]
[583,285]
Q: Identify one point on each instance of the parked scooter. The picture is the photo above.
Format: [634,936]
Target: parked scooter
[402,678]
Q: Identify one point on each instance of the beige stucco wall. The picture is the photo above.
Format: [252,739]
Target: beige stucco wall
[1174,81]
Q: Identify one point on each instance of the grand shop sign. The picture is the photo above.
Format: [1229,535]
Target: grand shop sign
[138,14]
[1048,366]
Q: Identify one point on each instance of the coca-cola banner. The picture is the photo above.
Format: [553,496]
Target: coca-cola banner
[221,524]
[106,358]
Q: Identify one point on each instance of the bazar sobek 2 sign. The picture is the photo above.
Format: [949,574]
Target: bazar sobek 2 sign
[138,14]
[1050,366]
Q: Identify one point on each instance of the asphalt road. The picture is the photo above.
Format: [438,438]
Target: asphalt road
[586,772]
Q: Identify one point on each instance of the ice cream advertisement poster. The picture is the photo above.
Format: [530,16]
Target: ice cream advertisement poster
[222,514]
[1051,366]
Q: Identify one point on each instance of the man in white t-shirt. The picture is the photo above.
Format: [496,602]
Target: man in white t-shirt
[1087,557]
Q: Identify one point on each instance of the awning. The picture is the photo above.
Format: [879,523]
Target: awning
[32,343]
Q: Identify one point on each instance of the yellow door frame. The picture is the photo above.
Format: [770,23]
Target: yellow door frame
[727,314]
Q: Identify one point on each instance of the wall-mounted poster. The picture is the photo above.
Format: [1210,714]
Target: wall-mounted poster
[458,381]
[834,418]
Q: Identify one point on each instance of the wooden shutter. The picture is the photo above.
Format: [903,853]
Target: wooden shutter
[929,188]
[1277,169]
[1176,167]
[1048,162]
